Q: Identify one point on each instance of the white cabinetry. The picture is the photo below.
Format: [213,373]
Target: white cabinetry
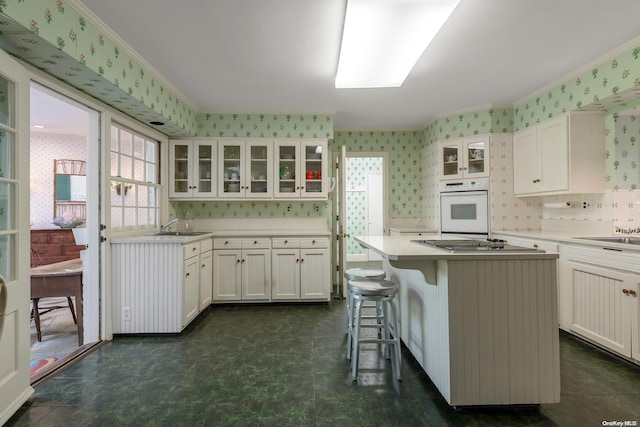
[242,269]
[605,301]
[464,158]
[301,169]
[192,169]
[301,269]
[561,155]
[206,274]
[246,168]
[156,286]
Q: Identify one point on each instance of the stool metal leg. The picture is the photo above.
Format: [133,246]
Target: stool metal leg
[356,340]
[397,360]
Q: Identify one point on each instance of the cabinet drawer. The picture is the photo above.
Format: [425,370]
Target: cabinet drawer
[206,245]
[286,242]
[260,243]
[190,250]
[314,242]
[227,243]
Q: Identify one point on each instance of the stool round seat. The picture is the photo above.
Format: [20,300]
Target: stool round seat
[360,273]
[373,287]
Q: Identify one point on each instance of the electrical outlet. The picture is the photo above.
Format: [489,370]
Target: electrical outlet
[126,313]
[289,208]
[586,205]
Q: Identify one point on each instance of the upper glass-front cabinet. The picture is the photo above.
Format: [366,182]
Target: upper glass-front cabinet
[192,168]
[464,158]
[301,168]
[246,168]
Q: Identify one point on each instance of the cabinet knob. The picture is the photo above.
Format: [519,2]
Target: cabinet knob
[237,261]
[203,265]
[255,242]
[625,291]
[187,274]
[194,249]
[302,187]
[286,241]
[632,292]
[313,242]
[243,261]
[301,259]
[226,242]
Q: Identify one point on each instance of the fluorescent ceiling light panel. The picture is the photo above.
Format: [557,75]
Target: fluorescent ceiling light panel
[383,39]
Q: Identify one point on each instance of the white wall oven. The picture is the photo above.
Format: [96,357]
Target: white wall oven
[464,208]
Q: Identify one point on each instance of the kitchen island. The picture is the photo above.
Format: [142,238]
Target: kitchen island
[483,325]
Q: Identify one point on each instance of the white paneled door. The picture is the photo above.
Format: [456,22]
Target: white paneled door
[14,237]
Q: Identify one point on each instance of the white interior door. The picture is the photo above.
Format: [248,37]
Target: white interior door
[14,237]
[375,210]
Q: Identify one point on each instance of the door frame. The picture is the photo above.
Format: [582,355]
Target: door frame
[385,187]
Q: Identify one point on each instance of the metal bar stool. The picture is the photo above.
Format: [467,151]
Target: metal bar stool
[360,273]
[380,291]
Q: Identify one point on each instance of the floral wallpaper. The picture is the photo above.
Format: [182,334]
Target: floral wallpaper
[45,148]
[53,37]
[493,120]
[356,206]
[405,171]
[265,125]
[626,173]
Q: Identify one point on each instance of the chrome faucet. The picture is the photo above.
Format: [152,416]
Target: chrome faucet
[169,224]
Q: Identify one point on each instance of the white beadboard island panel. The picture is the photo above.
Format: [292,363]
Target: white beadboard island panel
[483,327]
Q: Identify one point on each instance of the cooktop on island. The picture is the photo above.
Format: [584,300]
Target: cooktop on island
[490,245]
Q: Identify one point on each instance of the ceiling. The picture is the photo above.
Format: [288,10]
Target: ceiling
[272,56]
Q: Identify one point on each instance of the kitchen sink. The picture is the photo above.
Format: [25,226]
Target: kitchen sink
[181,233]
[614,239]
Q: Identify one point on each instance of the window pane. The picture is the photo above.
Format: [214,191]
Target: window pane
[153,218]
[114,138]
[125,142]
[130,194]
[138,147]
[151,173]
[138,170]
[142,196]
[6,154]
[151,151]
[125,167]
[142,217]
[114,164]
[6,102]
[7,201]
[117,195]
[129,218]
[7,264]
[116,218]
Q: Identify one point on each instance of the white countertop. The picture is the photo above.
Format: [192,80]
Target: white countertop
[570,237]
[151,238]
[401,248]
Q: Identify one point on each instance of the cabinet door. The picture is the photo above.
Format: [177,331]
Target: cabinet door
[231,164]
[314,274]
[287,184]
[203,173]
[602,305]
[180,168]
[227,275]
[476,157]
[554,146]
[285,274]
[526,169]
[259,167]
[313,169]
[256,275]
[190,290]
[450,159]
[206,279]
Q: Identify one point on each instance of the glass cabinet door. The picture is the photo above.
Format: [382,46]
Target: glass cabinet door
[180,168]
[260,169]
[232,169]
[476,153]
[286,158]
[451,160]
[204,173]
[312,169]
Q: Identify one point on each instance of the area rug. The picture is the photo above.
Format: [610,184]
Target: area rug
[36,365]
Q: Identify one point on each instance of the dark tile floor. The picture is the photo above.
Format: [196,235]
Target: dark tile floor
[284,365]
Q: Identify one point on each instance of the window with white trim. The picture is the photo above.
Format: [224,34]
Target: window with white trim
[134,179]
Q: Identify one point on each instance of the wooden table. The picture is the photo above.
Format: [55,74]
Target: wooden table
[62,279]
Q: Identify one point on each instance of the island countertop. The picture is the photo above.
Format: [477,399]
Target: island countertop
[401,248]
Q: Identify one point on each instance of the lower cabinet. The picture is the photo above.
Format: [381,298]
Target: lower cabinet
[605,301]
[242,269]
[301,269]
[159,287]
